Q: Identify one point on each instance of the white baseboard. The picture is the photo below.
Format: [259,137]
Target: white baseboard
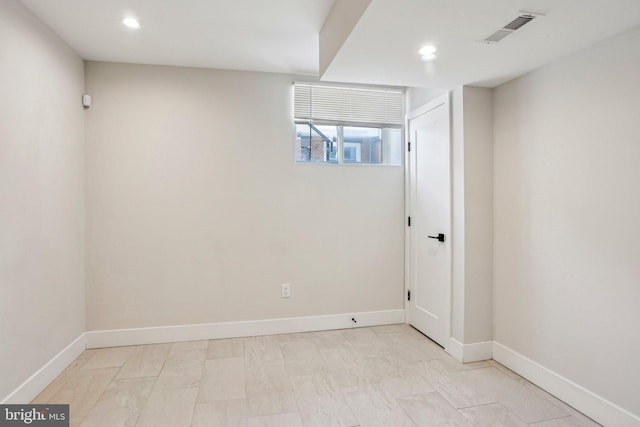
[467,353]
[585,401]
[162,334]
[37,382]
[456,349]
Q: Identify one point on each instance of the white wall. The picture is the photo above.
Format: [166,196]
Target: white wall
[419,96]
[196,212]
[342,19]
[41,196]
[472,216]
[478,193]
[457,214]
[567,211]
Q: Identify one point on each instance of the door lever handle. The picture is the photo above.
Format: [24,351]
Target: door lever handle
[440,237]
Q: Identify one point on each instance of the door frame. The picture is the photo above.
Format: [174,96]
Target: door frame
[444,99]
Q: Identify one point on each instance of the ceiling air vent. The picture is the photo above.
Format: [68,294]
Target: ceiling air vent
[515,24]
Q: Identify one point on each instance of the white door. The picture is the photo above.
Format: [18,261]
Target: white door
[430,212]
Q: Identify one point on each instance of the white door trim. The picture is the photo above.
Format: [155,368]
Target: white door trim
[431,105]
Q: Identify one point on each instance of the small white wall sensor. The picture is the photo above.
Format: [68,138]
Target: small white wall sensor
[86,101]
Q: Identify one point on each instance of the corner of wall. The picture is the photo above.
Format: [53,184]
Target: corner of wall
[472,173]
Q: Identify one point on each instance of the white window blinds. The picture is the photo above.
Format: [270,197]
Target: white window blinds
[348,105]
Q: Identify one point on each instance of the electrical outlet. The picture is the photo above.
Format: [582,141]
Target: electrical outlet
[286,290]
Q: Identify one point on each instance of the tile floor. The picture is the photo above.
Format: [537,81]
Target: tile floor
[379,376]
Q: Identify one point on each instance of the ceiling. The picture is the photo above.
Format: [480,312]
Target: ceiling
[257,35]
[380,48]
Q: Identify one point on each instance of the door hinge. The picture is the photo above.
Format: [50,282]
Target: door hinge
[409,146]
[409,295]
[409,221]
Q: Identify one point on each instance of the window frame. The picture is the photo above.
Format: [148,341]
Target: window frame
[341,124]
[340,142]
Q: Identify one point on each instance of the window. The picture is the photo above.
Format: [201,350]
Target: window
[348,125]
[351,152]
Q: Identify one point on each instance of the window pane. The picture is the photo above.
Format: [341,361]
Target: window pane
[316,143]
[372,145]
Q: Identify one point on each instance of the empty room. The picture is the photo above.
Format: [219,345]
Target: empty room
[319,213]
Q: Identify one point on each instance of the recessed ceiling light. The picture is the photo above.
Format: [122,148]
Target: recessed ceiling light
[427,50]
[131,23]
[428,53]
